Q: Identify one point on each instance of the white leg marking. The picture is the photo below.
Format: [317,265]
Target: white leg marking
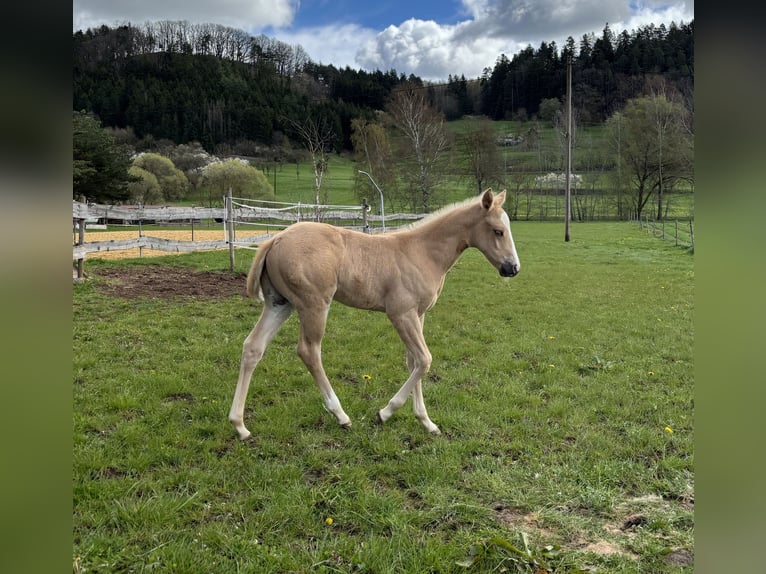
[253,348]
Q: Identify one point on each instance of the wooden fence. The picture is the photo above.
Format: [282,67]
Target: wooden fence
[265,218]
[262,218]
[128,214]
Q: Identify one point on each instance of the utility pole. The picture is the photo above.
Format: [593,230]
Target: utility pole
[568,191]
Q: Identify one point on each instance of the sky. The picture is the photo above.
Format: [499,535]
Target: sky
[429,38]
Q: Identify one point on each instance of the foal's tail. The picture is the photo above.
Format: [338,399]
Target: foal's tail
[256,271]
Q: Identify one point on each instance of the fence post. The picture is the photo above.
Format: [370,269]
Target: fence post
[80,241]
[365,207]
[691,232]
[230,222]
[676,233]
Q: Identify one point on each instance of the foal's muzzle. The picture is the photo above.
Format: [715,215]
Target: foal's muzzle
[508,269]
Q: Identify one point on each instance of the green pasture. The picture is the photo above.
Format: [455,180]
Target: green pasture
[565,396]
[295,183]
[592,160]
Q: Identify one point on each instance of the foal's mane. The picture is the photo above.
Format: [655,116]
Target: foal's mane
[439,213]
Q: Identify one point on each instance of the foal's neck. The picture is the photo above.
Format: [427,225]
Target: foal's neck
[446,237]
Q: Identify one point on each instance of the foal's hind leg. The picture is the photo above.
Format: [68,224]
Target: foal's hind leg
[271,319]
[313,322]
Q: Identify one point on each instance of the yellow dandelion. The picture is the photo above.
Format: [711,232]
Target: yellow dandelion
[668,430]
[552,366]
[367,377]
[651,373]
[551,337]
[328,521]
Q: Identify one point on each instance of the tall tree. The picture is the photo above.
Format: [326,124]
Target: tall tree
[424,140]
[372,150]
[484,160]
[100,165]
[317,134]
[653,148]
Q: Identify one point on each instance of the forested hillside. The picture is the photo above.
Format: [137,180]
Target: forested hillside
[219,86]
[607,71]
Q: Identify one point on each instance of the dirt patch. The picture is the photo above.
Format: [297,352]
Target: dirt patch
[514,518]
[530,522]
[604,548]
[165,282]
[680,557]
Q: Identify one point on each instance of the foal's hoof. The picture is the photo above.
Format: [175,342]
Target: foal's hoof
[378,418]
[346,425]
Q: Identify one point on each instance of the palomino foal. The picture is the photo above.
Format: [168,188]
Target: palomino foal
[306,266]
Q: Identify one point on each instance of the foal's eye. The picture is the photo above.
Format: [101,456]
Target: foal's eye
[499,232]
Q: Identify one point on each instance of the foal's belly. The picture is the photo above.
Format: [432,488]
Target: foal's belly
[360,295]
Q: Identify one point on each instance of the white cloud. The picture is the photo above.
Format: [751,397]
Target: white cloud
[421,47]
[242,14]
[656,15]
[429,50]
[328,44]
[433,51]
[477,8]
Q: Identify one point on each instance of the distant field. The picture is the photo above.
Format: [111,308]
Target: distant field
[591,160]
[565,396]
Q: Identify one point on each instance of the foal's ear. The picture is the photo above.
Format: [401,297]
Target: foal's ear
[487,199]
[500,198]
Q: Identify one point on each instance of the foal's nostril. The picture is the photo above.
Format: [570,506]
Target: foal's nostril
[509,269]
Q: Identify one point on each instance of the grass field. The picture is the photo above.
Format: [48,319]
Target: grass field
[565,396]
[592,160]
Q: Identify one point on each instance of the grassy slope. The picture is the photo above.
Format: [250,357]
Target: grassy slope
[553,389]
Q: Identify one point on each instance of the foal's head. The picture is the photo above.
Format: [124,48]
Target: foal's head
[492,235]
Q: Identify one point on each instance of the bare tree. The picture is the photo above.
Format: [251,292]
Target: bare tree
[425,140]
[239,45]
[183,35]
[202,42]
[519,181]
[299,59]
[653,153]
[279,53]
[372,150]
[219,40]
[317,135]
[669,123]
[165,36]
[484,159]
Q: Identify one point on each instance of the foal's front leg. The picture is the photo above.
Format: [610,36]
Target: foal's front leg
[410,329]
